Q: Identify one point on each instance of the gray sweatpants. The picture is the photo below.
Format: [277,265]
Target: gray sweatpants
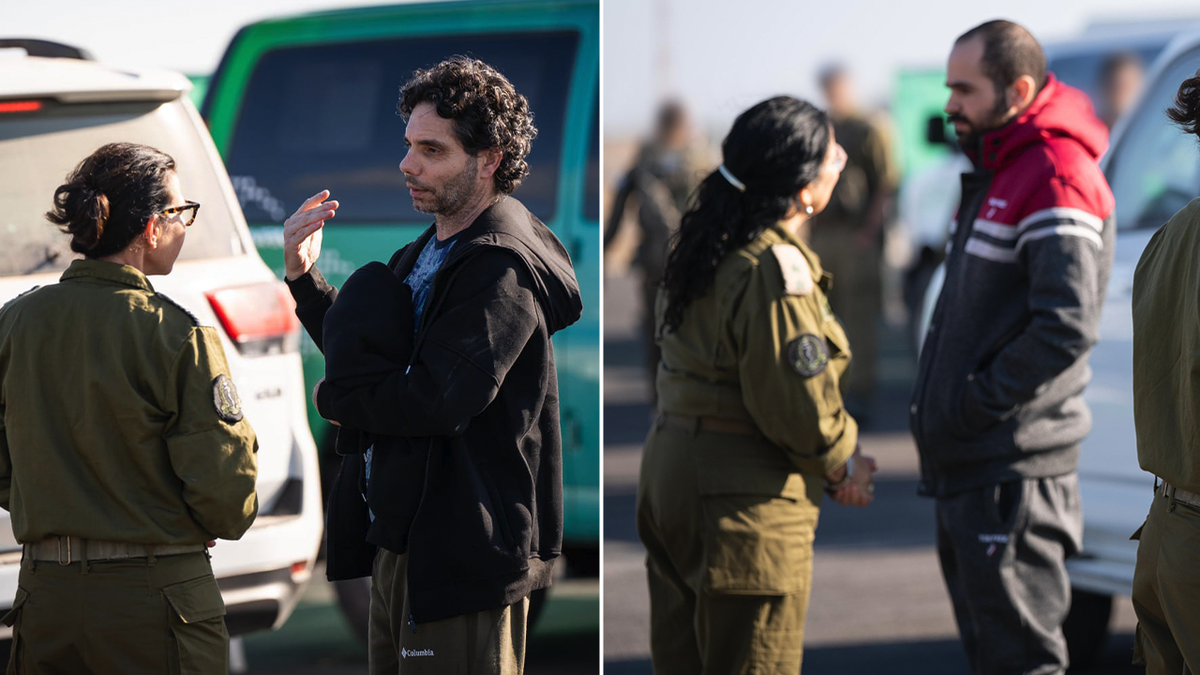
[1002,549]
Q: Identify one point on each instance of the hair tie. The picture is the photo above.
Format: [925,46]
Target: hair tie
[741,187]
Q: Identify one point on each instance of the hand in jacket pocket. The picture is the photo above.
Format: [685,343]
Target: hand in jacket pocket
[317,405]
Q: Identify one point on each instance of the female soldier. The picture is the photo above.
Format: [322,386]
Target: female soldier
[123,449]
[751,426]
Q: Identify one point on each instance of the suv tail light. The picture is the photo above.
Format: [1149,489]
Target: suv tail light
[259,318]
[20,106]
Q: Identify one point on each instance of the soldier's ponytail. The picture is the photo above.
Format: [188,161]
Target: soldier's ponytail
[1186,111]
[108,199]
[773,150]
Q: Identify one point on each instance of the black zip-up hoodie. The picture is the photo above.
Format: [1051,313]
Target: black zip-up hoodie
[473,415]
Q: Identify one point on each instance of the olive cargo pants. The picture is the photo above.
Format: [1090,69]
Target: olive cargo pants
[1166,589]
[120,616]
[491,642]
[728,528]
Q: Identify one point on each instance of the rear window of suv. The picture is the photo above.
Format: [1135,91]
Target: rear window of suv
[38,150]
[317,117]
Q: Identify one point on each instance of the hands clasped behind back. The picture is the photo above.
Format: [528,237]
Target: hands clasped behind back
[860,490]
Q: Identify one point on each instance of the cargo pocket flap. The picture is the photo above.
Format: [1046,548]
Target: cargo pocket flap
[756,545]
[196,600]
[11,617]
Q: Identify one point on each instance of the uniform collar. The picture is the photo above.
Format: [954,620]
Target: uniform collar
[93,270]
[820,276]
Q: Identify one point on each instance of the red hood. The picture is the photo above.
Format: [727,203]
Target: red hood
[1058,111]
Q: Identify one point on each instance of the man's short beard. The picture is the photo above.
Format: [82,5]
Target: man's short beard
[996,118]
[454,195]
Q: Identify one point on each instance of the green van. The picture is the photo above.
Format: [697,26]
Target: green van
[282,142]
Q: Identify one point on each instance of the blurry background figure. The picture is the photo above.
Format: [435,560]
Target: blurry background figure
[1121,77]
[668,167]
[849,235]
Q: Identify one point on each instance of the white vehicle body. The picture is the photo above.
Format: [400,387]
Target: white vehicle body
[86,105]
[1154,170]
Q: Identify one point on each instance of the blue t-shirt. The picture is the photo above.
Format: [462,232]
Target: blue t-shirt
[420,280]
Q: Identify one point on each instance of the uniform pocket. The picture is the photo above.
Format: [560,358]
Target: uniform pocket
[757,544]
[13,620]
[197,621]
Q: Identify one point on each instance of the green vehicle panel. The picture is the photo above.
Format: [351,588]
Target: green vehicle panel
[304,103]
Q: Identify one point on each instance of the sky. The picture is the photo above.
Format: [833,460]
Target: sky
[719,56]
[185,35]
[723,56]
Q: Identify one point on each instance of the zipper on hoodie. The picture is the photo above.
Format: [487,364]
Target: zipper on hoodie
[961,234]
[450,268]
[412,623]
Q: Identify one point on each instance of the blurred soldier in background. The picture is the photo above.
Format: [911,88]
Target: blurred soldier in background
[848,235]
[1121,78]
[668,167]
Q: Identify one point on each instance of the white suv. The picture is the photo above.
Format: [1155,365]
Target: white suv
[1153,169]
[53,113]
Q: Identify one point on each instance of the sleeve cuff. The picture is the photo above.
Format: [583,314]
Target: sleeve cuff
[325,401]
[309,287]
[835,456]
[841,451]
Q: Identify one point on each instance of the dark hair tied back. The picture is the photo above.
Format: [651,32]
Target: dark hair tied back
[774,149]
[110,196]
[1186,111]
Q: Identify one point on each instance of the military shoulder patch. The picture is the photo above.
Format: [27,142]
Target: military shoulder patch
[225,400]
[797,275]
[809,355]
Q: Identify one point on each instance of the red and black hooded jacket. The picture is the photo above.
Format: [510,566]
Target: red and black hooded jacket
[999,393]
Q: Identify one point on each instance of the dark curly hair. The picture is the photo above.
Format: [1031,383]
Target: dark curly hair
[486,110]
[775,149]
[1186,111]
[109,197]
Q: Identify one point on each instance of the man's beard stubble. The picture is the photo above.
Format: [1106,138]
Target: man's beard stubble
[996,118]
[452,197]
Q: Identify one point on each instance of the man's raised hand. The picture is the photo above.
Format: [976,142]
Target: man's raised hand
[302,234]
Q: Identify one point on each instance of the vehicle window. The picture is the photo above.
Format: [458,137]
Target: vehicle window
[1155,171]
[38,150]
[1082,71]
[591,174]
[289,142]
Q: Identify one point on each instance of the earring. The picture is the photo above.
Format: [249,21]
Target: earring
[808,209]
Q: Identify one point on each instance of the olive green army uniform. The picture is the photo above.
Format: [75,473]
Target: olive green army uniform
[124,450]
[1166,407]
[750,422]
[858,297]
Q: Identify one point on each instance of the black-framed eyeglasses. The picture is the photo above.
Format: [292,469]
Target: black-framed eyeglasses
[194,207]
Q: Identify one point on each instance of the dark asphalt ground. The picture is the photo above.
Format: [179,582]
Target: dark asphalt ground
[878,603]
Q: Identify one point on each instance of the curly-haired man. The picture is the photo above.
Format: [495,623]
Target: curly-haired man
[440,374]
